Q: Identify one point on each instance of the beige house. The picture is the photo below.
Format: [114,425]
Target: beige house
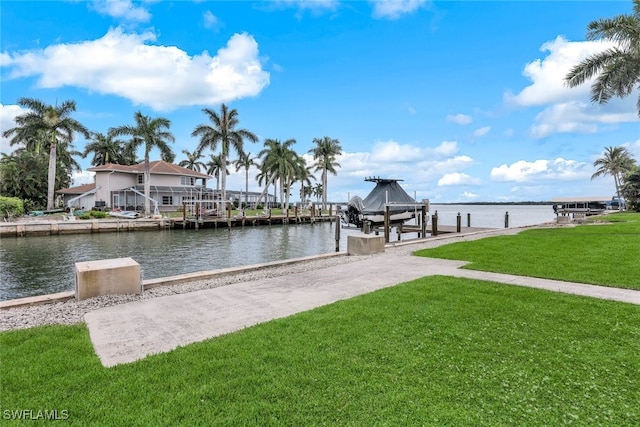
[122,187]
[170,186]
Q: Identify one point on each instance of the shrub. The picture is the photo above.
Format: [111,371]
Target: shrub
[259,207]
[85,215]
[98,214]
[11,206]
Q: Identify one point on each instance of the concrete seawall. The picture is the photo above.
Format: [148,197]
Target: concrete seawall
[54,228]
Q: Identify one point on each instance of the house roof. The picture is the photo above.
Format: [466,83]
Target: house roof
[77,190]
[159,167]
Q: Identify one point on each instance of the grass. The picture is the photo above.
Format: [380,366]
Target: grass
[597,253]
[435,351]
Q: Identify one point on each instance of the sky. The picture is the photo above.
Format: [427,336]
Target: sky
[464,101]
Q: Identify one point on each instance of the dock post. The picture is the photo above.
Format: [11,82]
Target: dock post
[424,221]
[458,222]
[434,224]
[468,220]
[386,224]
[337,233]
[506,220]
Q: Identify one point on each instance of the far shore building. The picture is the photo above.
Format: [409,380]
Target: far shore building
[171,186]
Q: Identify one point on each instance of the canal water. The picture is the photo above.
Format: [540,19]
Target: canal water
[32,266]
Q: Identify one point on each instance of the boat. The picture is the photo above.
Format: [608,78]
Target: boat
[579,205]
[387,192]
[124,214]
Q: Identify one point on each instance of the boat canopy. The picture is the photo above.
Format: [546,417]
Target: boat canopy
[386,190]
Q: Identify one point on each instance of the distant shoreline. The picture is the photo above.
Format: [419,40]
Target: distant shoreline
[546,203]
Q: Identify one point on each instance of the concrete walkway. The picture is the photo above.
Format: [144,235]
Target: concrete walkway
[128,332]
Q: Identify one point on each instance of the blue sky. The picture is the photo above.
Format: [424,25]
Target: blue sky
[464,101]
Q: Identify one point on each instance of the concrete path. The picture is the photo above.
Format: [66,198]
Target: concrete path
[128,332]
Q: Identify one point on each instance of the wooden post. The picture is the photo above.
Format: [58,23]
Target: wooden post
[469,219]
[506,220]
[366,227]
[337,233]
[399,231]
[458,222]
[386,224]
[434,224]
[424,221]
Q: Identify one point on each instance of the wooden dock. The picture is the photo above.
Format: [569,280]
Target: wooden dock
[242,221]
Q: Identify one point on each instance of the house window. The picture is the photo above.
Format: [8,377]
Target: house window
[141,179]
[167,200]
[187,180]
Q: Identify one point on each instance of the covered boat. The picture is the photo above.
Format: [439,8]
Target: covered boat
[372,208]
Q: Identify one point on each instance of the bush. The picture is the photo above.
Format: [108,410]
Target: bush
[259,207]
[85,215]
[98,214]
[11,206]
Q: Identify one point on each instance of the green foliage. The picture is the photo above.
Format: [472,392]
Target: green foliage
[97,214]
[435,351]
[631,189]
[11,206]
[579,254]
[84,215]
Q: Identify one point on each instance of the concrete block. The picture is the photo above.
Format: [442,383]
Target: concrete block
[563,219]
[106,277]
[365,244]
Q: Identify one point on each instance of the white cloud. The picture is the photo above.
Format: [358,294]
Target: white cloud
[481,131]
[314,6]
[81,178]
[568,110]
[122,9]
[8,113]
[468,195]
[575,117]
[457,178]
[461,119]
[547,75]
[558,169]
[163,77]
[211,21]
[634,149]
[394,9]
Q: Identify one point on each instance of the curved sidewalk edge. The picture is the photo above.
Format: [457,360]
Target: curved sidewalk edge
[128,332]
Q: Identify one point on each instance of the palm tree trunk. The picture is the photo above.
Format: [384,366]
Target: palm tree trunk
[51,175]
[147,186]
[617,181]
[324,189]
[223,172]
[265,191]
[246,188]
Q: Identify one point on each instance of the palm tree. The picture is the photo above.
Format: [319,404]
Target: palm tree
[53,123]
[615,162]
[192,161]
[281,162]
[616,68]
[214,168]
[152,133]
[222,132]
[325,153]
[105,149]
[245,161]
[304,176]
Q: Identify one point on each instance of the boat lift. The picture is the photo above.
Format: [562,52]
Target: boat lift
[156,211]
[70,201]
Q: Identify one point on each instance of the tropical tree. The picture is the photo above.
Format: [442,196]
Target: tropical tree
[617,69]
[214,168]
[55,125]
[192,161]
[282,164]
[150,133]
[105,149]
[631,189]
[222,130]
[304,177]
[324,154]
[245,161]
[616,161]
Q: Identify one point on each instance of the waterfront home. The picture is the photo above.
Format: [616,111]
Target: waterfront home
[171,186]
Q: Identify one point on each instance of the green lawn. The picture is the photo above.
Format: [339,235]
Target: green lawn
[436,351]
[598,253]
